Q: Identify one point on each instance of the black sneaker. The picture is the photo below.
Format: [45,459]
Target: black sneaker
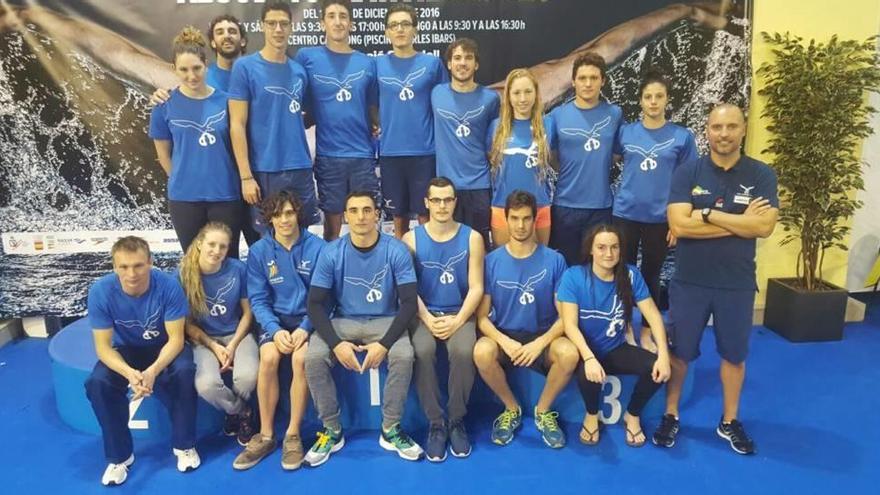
[435,447]
[230,425]
[664,435]
[459,443]
[246,431]
[735,433]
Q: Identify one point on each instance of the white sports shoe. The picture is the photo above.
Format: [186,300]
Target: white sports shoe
[187,460]
[115,474]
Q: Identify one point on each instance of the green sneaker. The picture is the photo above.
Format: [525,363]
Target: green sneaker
[328,442]
[396,440]
[505,426]
[552,434]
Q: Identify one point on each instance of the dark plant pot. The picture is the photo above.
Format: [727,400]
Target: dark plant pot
[805,316]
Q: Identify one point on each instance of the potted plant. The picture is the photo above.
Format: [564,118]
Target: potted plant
[819,114]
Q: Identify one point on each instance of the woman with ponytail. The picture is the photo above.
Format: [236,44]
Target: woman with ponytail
[520,153]
[597,300]
[219,326]
[191,135]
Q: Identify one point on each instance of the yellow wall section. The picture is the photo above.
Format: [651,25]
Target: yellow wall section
[819,19]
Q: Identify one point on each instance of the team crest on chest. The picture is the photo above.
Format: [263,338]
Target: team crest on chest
[294,95]
[373,286]
[464,121]
[649,156]
[205,129]
[217,304]
[447,269]
[406,92]
[148,328]
[527,289]
[592,136]
[344,93]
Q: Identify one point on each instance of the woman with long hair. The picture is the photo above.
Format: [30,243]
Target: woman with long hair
[219,326]
[520,153]
[652,149]
[597,300]
[191,134]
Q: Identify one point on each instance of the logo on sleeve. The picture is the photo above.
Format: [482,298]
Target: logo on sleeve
[592,143]
[447,269]
[406,92]
[205,128]
[531,154]
[526,290]
[649,156]
[294,95]
[147,328]
[217,304]
[614,317]
[464,121]
[374,286]
[344,93]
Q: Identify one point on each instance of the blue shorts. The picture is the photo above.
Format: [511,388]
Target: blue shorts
[300,182]
[404,183]
[289,323]
[569,226]
[474,209]
[339,176]
[689,309]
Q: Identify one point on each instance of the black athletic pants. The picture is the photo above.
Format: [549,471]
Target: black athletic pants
[188,217]
[623,360]
[652,238]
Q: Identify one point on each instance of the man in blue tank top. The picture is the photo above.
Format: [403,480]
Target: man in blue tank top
[449,265]
[520,322]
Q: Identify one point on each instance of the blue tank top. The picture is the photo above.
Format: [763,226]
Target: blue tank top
[442,269]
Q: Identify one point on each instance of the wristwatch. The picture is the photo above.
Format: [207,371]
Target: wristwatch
[705,212]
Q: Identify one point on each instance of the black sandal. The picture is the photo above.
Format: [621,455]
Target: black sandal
[592,437]
[633,442]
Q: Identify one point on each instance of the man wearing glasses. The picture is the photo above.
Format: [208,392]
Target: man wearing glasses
[265,118]
[449,266]
[406,143]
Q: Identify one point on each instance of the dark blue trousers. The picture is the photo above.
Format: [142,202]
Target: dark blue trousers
[107,390]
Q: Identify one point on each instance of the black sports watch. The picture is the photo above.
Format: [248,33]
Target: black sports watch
[705,212]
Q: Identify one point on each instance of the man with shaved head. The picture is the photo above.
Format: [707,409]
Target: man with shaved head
[718,205]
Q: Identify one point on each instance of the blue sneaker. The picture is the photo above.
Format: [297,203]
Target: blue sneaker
[552,434]
[505,426]
[459,443]
[435,447]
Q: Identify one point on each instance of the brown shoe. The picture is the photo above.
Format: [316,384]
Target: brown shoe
[292,452]
[258,448]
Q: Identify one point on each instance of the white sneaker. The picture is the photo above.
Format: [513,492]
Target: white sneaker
[187,460]
[115,474]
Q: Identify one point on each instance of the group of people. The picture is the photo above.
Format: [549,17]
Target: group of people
[478,172]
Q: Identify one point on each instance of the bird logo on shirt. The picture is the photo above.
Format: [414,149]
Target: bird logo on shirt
[294,95]
[464,121]
[531,154]
[614,317]
[526,290]
[218,303]
[592,143]
[406,92]
[303,267]
[344,85]
[147,328]
[746,191]
[446,269]
[649,161]
[374,292]
[205,129]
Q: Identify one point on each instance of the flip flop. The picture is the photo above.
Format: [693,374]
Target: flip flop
[632,435]
[592,437]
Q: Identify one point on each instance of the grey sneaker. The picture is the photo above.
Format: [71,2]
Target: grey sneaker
[292,452]
[435,447]
[328,442]
[258,448]
[505,425]
[396,440]
[459,443]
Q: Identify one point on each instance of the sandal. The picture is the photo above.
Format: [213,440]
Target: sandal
[591,438]
[631,438]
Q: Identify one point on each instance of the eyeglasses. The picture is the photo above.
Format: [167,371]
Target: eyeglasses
[394,26]
[439,201]
[275,24]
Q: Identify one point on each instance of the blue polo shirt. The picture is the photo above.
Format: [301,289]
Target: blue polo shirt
[224,290]
[137,321]
[519,167]
[461,128]
[585,141]
[442,269]
[405,113]
[725,262]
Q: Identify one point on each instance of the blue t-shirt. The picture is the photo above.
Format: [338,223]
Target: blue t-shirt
[218,78]
[224,291]
[279,280]
[405,114]
[202,164]
[519,164]
[137,321]
[649,158]
[522,290]
[342,90]
[585,140]
[364,285]
[461,127]
[274,93]
[442,269]
[600,311]
[725,262]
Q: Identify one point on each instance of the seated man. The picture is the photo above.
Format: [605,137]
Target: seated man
[138,316]
[519,321]
[449,263]
[370,277]
[279,272]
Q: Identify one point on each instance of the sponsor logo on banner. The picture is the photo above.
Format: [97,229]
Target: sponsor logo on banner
[160,241]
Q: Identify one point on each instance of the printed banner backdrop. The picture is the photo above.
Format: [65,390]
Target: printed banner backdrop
[77,169]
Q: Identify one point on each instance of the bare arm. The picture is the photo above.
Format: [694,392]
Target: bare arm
[568,312]
[485,324]
[103,338]
[171,349]
[475,279]
[687,223]
[238,117]
[658,331]
[759,220]
[163,153]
